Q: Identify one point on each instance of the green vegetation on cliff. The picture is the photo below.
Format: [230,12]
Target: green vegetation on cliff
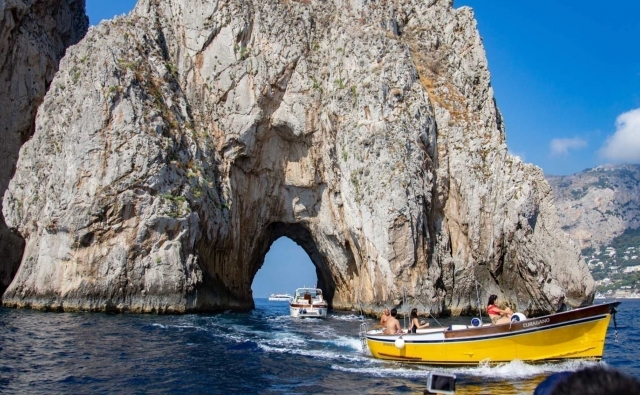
[616,267]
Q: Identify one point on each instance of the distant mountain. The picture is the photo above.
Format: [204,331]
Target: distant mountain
[597,205]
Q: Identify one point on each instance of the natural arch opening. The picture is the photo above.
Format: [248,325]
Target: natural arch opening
[299,236]
[286,267]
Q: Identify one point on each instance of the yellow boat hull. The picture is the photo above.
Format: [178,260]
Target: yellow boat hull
[581,339]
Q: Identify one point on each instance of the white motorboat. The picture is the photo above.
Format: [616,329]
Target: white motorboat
[308,302]
[280,297]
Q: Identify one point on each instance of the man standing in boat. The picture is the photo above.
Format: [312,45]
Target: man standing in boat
[393,325]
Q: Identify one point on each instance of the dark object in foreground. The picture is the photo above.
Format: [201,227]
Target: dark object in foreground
[439,383]
[596,380]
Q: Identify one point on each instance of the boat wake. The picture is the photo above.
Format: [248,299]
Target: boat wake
[349,317]
[521,370]
[509,371]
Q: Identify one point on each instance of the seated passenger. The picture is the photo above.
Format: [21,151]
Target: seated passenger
[415,323]
[384,318]
[393,325]
[497,315]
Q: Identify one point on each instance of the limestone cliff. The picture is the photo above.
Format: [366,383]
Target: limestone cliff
[33,37]
[178,143]
[599,204]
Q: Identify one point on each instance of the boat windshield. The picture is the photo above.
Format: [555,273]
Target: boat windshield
[314,292]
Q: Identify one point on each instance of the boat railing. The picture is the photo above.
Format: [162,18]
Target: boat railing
[363,338]
[428,330]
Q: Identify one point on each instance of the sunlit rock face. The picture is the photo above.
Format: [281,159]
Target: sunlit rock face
[33,38]
[178,143]
[599,204]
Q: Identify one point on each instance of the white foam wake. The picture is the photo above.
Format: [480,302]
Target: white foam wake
[510,371]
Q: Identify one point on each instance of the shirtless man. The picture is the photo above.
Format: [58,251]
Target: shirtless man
[392,326]
[385,316]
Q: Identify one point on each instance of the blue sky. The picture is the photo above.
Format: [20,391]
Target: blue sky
[566,76]
[97,10]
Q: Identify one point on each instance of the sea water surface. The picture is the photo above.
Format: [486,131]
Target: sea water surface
[263,351]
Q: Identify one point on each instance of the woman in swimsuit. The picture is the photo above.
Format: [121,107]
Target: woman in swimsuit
[497,315]
[415,322]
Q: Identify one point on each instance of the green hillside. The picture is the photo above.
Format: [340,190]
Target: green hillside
[617,266]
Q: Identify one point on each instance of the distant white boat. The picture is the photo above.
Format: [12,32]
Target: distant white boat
[308,302]
[279,297]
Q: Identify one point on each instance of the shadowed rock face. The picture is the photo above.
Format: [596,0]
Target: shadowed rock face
[178,143]
[33,37]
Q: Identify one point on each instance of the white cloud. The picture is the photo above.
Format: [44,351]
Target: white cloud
[560,147]
[624,145]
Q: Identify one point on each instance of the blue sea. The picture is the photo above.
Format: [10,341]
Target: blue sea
[263,351]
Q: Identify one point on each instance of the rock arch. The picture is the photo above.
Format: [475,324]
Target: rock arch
[177,142]
[303,238]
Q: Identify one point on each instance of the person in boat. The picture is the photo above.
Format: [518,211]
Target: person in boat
[384,318]
[498,315]
[392,326]
[307,297]
[415,322]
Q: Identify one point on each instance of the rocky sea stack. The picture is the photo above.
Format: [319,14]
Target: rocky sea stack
[34,35]
[177,143]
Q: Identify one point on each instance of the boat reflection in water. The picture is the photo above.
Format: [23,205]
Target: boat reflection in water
[574,334]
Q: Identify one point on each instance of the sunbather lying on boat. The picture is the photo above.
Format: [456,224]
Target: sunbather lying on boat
[497,315]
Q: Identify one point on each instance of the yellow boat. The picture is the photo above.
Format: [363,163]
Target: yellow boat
[574,334]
